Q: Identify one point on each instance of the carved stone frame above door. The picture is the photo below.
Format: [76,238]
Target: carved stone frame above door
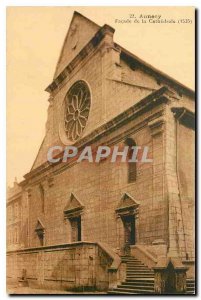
[127,206]
[74,208]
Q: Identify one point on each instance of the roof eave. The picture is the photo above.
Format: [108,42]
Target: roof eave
[173,82]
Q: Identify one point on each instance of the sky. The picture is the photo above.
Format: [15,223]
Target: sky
[35,36]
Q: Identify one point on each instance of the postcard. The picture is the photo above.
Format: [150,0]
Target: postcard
[101,150]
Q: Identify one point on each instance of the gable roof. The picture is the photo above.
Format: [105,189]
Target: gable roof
[80,31]
[89,31]
[161,76]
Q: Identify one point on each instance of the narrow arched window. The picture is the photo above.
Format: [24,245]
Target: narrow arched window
[132,167]
[42,197]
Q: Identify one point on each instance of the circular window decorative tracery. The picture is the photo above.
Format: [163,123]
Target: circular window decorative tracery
[77,106]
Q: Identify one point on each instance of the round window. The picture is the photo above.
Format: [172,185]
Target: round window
[77,106]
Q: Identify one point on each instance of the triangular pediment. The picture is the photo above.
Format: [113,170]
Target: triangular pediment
[39,226]
[80,32]
[127,202]
[73,204]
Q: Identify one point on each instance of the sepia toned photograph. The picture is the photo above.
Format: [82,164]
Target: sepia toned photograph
[100,150]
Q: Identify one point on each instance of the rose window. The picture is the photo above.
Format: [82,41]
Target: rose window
[77,106]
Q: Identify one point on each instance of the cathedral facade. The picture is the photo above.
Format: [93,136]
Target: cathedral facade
[78,225]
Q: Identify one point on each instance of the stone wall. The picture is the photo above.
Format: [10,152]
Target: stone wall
[186,172]
[14,217]
[100,187]
[179,188]
[79,266]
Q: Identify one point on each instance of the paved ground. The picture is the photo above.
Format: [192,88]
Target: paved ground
[13,289]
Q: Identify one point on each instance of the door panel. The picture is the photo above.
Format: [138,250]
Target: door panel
[76,229]
[129,230]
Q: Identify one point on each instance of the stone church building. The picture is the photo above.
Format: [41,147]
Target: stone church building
[122,228]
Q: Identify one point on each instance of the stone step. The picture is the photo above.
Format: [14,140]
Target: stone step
[112,292]
[132,263]
[190,280]
[140,280]
[140,271]
[142,275]
[129,257]
[137,286]
[135,290]
[145,274]
[136,266]
[190,284]
[128,275]
[133,278]
[140,283]
[137,278]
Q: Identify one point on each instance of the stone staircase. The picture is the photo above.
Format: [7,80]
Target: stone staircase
[140,279]
[190,286]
